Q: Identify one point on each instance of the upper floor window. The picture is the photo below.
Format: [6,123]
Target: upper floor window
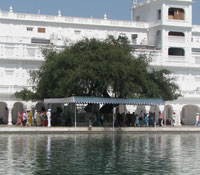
[134,38]
[158,39]
[179,34]
[122,34]
[137,18]
[77,32]
[159,15]
[176,13]
[40,40]
[173,51]
[41,30]
[30,29]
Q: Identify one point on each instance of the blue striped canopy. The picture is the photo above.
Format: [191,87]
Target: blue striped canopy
[101,100]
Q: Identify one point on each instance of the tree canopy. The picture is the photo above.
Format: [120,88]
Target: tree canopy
[92,67]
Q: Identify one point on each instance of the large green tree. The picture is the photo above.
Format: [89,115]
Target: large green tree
[90,67]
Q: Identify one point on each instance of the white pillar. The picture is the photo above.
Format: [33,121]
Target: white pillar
[177,109]
[178,118]
[9,116]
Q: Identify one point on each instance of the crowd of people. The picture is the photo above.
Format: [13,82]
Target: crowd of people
[143,119]
[42,118]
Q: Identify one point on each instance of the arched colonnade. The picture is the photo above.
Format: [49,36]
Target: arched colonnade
[185,114]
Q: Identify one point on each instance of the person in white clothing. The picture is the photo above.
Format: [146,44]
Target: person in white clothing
[173,119]
[49,117]
[197,119]
[34,117]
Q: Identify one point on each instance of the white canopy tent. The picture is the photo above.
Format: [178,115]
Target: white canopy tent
[101,100]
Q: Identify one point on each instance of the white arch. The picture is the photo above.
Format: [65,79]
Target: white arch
[188,114]
[17,107]
[3,113]
[168,110]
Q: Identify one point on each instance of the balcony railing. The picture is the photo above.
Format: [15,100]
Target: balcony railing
[176,58]
[29,52]
[11,89]
[182,23]
[155,56]
[176,39]
[20,52]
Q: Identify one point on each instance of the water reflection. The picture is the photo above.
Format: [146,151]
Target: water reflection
[99,154]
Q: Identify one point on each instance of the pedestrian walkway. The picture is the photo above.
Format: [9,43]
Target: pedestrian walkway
[62,130]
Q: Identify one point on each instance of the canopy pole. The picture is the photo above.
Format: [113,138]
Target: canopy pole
[113,118]
[75,114]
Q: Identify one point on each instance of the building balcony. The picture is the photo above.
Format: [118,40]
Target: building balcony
[173,58]
[155,56]
[191,93]
[9,90]
[176,39]
[181,23]
[21,52]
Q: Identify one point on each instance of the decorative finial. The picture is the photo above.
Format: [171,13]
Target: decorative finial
[11,9]
[59,13]
[105,16]
[134,3]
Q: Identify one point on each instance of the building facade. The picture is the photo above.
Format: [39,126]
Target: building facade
[161,29]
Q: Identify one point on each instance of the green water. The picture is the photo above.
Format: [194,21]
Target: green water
[99,154]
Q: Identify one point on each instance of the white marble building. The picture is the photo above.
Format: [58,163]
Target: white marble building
[162,29]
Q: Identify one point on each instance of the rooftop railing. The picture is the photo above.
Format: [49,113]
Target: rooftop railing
[76,20]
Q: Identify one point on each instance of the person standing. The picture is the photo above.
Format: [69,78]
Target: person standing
[141,118]
[134,119]
[49,117]
[137,120]
[146,119]
[197,119]
[19,120]
[173,119]
[160,119]
[29,118]
[102,119]
[24,117]
[34,117]
[38,119]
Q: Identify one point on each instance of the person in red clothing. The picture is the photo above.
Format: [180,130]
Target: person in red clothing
[44,118]
[19,120]
[160,119]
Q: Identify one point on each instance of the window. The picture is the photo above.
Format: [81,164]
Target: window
[159,15]
[158,39]
[41,30]
[173,51]
[137,18]
[9,72]
[172,33]
[134,36]
[122,34]
[77,32]
[40,40]
[30,29]
[176,13]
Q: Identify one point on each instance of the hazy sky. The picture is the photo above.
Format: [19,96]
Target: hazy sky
[115,9]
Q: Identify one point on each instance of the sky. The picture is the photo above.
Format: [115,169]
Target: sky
[115,9]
